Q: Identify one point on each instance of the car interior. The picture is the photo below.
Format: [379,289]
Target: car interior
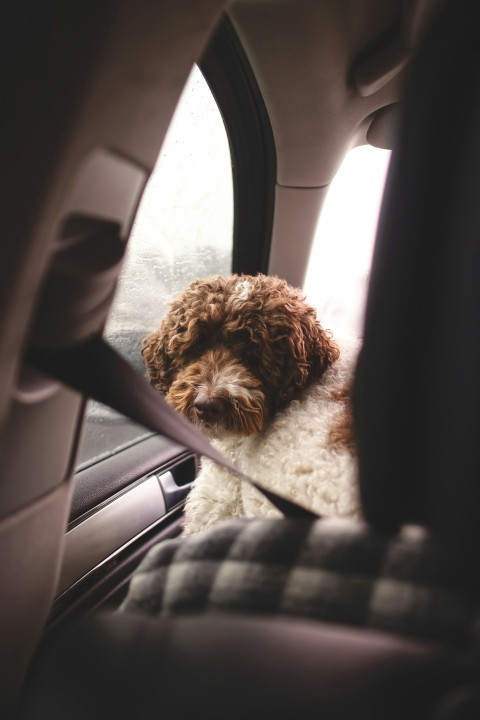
[89,92]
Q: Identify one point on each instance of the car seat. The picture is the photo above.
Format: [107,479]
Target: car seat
[417,400]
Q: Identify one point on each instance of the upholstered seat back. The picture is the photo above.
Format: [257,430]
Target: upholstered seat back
[418,380]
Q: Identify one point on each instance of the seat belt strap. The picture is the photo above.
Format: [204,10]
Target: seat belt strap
[96,370]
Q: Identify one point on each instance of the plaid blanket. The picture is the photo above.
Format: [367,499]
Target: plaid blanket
[335,570]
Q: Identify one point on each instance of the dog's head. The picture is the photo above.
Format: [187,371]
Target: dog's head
[233,350]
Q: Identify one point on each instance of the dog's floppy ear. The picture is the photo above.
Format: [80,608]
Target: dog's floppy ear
[320,348]
[291,347]
[156,358]
[164,349]
[311,351]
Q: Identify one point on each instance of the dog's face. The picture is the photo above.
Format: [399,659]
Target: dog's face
[233,350]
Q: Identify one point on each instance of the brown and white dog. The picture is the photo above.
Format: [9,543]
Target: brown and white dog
[240,356]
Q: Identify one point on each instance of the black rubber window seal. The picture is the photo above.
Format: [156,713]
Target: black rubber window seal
[233,85]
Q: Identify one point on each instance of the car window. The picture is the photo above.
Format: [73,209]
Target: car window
[183,230]
[339,265]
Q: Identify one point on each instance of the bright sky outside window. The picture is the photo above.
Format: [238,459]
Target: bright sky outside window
[340,260]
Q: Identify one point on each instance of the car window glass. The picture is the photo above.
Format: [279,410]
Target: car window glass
[339,265]
[183,230]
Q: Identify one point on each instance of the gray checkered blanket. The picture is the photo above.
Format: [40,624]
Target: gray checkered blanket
[332,570]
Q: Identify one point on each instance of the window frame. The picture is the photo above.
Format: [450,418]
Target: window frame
[227,71]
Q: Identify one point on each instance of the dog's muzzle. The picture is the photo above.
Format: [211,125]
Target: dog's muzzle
[218,393]
[210,410]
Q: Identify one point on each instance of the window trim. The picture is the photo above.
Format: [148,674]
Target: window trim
[254,167]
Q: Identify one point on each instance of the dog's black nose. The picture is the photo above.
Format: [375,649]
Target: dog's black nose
[209,409]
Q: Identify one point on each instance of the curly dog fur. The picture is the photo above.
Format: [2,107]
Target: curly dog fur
[233,351]
[246,359]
